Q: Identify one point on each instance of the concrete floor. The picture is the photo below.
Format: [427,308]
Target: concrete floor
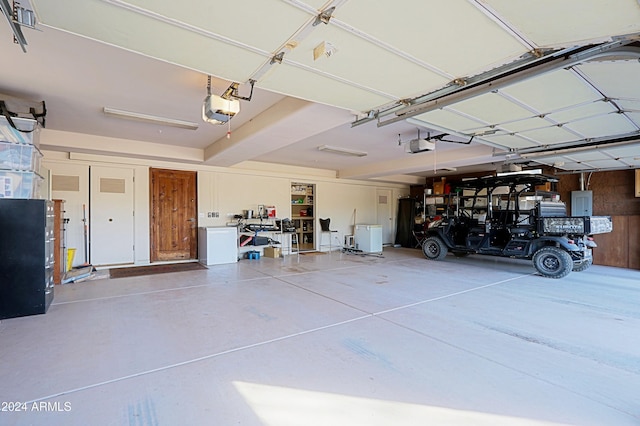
[332,340]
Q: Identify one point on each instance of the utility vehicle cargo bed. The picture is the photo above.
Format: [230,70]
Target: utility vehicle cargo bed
[582,225]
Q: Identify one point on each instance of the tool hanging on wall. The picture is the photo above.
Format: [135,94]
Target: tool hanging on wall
[86,235]
[83,271]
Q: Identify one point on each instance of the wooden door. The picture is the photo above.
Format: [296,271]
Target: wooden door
[173,215]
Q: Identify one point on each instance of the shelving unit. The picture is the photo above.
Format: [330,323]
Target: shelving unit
[471,206]
[437,205]
[252,232]
[302,214]
[59,224]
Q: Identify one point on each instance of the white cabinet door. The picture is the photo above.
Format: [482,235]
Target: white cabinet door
[384,215]
[112,226]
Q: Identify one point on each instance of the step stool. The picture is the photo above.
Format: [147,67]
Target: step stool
[254,254]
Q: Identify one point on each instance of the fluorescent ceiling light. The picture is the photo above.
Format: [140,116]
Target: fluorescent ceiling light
[342,151]
[137,116]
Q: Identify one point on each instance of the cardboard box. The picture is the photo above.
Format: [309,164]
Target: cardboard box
[439,187]
[545,187]
[272,252]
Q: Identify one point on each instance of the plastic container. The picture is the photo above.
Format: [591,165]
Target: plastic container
[29,135]
[18,184]
[19,156]
[71,253]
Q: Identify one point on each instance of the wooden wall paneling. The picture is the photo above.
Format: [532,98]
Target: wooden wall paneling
[416,191]
[613,248]
[634,244]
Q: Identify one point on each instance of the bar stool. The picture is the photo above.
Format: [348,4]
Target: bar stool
[324,229]
[286,228]
[294,240]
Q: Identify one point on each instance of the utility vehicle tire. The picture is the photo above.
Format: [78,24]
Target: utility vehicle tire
[582,266]
[552,262]
[434,249]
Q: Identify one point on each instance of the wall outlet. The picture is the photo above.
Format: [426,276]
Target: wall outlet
[213,214]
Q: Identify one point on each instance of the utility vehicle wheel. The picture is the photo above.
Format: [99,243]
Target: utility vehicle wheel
[434,249]
[582,266]
[552,262]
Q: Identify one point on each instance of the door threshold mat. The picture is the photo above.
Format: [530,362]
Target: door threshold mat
[138,271]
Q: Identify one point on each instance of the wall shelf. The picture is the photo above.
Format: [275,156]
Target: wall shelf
[302,214]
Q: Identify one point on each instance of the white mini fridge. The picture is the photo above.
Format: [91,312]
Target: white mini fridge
[369,238]
[217,245]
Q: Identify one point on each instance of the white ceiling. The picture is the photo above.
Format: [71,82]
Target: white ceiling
[443,66]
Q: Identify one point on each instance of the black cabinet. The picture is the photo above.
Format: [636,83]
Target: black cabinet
[27,246]
[406,219]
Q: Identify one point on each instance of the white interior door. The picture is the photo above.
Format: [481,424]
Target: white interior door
[70,182]
[385,215]
[112,230]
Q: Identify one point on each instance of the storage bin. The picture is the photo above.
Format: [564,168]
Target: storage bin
[17,184]
[480,202]
[254,254]
[472,192]
[19,156]
[9,134]
[434,200]
[527,204]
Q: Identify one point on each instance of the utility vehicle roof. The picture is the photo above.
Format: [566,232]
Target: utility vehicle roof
[508,180]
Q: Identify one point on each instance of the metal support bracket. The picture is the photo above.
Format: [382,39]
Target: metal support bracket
[324,16]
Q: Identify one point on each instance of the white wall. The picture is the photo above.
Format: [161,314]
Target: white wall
[231,193]
[344,204]
[231,190]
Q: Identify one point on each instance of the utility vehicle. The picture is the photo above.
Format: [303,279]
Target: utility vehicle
[510,216]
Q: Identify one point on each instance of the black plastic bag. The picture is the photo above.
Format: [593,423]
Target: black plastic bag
[11,107]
